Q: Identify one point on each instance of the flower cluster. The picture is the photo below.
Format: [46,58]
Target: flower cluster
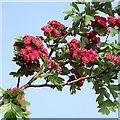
[114,22]
[21,98]
[93,40]
[53,28]
[32,48]
[99,22]
[57,65]
[113,58]
[86,55]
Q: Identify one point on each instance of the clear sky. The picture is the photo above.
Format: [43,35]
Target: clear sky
[28,18]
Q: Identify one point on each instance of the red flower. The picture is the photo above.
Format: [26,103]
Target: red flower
[85,59]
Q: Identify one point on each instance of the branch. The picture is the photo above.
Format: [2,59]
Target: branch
[18,82]
[67,83]
[1,103]
[107,37]
[33,79]
[100,7]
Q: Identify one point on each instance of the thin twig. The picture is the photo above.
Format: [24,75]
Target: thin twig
[100,7]
[67,83]
[18,83]
[107,37]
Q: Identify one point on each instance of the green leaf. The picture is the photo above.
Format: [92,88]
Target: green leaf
[5,108]
[11,107]
[107,95]
[104,110]
[23,103]
[113,31]
[73,4]
[59,88]
[2,90]
[106,78]
[72,89]
[65,71]
[68,12]
[100,99]
[47,74]
[55,79]
[107,103]
[25,114]
[10,114]
[19,40]
[114,94]
[100,31]
[117,7]
[83,42]
[76,18]
[15,93]
[88,19]
[18,74]
[102,44]
[114,87]
[66,17]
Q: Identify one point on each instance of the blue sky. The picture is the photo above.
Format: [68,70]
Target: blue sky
[21,18]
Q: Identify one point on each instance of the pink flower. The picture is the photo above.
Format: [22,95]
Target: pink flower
[57,65]
[27,39]
[38,41]
[53,29]
[75,54]
[113,58]
[32,56]
[56,32]
[85,59]
[75,41]
[29,47]
[23,52]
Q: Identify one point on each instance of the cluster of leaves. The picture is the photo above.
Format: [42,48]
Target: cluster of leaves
[9,107]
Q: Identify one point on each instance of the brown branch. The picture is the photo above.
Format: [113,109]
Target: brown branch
[1,103]
[107,37]
[33,79]
[18,83]
[67,83]
[100,7]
